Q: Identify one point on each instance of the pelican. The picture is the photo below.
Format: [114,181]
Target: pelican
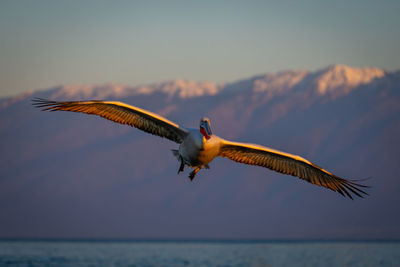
[198,147]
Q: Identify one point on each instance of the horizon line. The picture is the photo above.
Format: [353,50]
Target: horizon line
[201,240]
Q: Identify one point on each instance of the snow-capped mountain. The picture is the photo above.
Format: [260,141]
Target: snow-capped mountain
[334,80]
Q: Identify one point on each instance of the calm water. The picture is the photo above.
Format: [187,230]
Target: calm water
[110,253]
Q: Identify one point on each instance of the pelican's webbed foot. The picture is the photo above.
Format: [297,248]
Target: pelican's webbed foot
[193,173]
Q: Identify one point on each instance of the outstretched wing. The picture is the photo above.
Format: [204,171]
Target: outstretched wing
[289,164]
[121,113]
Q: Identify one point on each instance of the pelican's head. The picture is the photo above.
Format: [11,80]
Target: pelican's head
[205,128]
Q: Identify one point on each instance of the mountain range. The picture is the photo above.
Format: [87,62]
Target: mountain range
[69,175]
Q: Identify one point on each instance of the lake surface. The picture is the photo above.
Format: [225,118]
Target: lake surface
[199,253]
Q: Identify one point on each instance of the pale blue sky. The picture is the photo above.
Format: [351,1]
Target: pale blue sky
[49,43]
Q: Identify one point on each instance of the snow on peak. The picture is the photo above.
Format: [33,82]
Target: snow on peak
[333,77]
[280,81]
[183,88]
[78,91]
[179,88]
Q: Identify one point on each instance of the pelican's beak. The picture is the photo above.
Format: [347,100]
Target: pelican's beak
[208,128]
[205,129]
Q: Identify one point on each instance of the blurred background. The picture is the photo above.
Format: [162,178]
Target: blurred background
[312,78]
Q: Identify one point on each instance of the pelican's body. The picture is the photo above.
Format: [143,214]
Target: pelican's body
[198,147]
[197,151]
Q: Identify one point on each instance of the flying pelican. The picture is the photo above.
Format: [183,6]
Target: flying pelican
[198,147]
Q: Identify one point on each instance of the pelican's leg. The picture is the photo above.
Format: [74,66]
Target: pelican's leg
[193,174]
[182,167]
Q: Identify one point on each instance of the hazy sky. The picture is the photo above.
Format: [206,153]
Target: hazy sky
[48,43]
